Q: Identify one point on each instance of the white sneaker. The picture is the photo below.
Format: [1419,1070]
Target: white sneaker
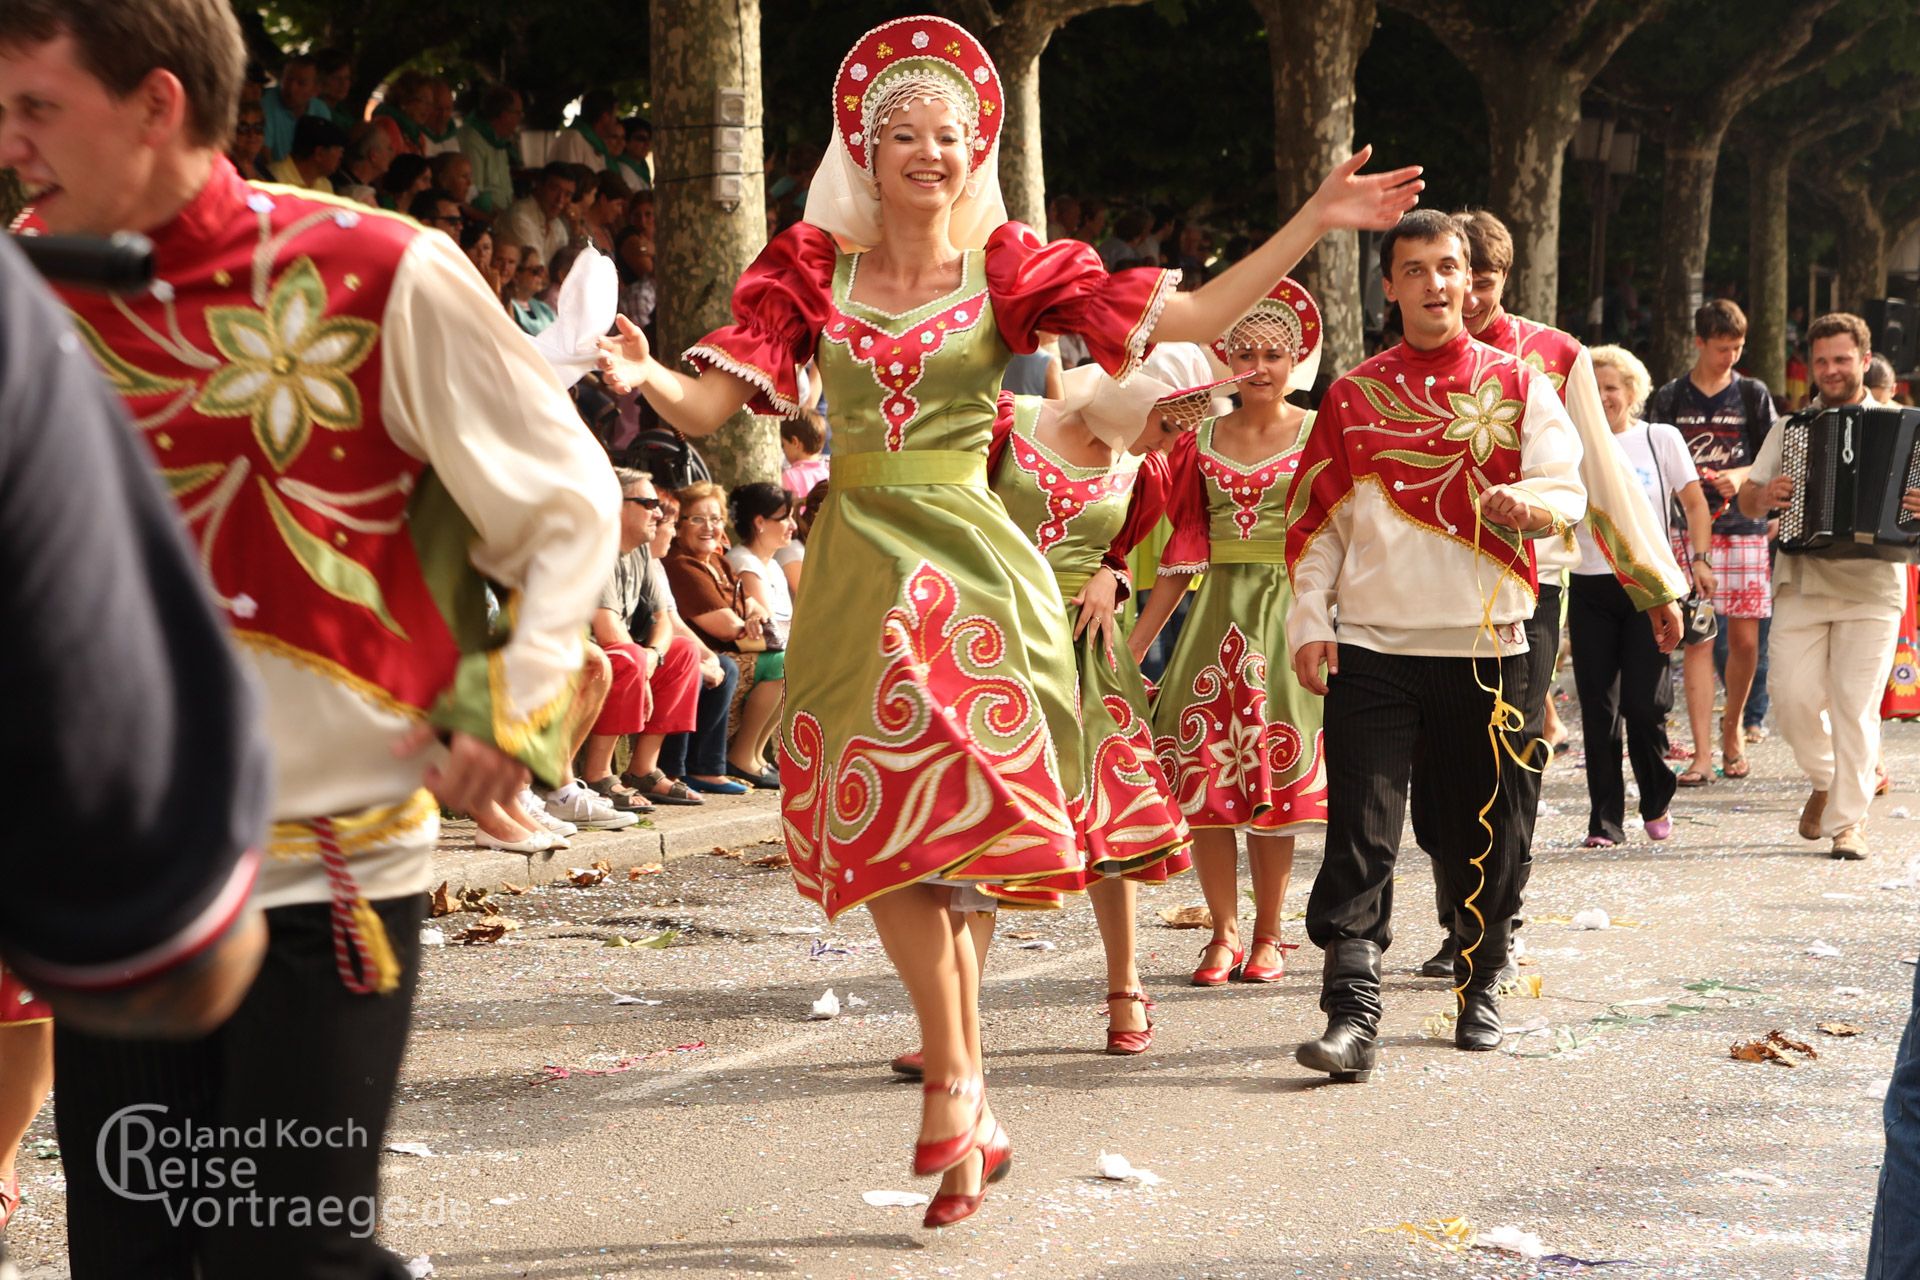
[538,842]
[576,804]
[536,808]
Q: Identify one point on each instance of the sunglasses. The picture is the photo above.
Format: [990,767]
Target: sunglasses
[651,504]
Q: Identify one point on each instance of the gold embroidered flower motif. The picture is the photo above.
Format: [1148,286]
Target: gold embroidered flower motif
[1238,754]
[883,51]
[289,365]
[1539,363]
[1484,420]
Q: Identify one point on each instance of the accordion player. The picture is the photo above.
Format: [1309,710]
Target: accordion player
[1850,466]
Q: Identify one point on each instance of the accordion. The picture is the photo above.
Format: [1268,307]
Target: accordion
[1850,467]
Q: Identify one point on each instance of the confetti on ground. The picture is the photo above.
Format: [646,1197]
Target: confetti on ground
[410,1148]
[627,1062]
[894,1199]
[1823,949]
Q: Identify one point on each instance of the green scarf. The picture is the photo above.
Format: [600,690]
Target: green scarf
[492,139]
[408,129]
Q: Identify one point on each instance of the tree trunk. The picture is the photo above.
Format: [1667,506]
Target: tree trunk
[1313,52]
[1532,113]
[1768,171]
[1016,45]
[1862,245]
[701,246]
[1686,208]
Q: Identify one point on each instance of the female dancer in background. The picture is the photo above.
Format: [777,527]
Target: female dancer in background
[930,738]
[1238,737]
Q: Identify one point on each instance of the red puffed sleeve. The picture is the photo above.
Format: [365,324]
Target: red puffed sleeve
[1062,288]
[780,307]
[1002,431]
[1191,545]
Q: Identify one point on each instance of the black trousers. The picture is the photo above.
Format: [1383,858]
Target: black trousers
[280,1116]
[1383,712]
[1621,675]
[1529,693]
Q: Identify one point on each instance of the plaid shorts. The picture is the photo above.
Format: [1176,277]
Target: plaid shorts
[1742,573]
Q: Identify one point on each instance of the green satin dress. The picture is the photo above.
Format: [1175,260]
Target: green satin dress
[930,726]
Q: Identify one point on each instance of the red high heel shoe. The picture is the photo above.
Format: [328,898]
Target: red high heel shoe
[912,1065]
[1268,973]
[944,1153]
[1217,977]
[1129,1042]
[996,1162]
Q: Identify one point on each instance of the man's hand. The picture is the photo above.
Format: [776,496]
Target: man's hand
[711,674]
[1506,505]
[1310,658]
[1910,502]
[1780,492]
[1719,481]
[474,773]
[1668,625]
[1703,580]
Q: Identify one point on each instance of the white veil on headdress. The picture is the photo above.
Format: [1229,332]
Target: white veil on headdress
[897,63]
[1287,317]
[1175,379]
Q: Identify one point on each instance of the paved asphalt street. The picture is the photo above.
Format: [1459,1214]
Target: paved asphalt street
[721,1132]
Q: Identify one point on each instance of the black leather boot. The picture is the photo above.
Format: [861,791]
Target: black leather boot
[1440,963]
[1478,1027]
[1350,997]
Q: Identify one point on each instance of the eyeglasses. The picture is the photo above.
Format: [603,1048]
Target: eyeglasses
[714,522]
[442,220]
[535,270]
[651,504]
[256,128]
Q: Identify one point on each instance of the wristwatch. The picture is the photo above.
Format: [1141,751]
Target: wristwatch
[1702,557]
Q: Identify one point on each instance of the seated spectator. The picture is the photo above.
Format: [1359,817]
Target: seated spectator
[289,100]
[633,257]
[439,131]
[490,139]
[573,802]
[402,111]
[523,301]
[605,210]
[557,272]
[506,265]
[249,142]
[253,86]
[452,172]
[697,759]
[369,155]
[476,241]
[438,209]
[637,158]
[1063,218]
[318,146]
[656,679]
[714,602]
[538,220]
[597,136]
[584,180]
[793,557]
[640,211]
[406,177]
[801,440]
[333,82]
[1127,245]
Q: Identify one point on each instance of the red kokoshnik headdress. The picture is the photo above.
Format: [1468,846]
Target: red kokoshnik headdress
[1287,317]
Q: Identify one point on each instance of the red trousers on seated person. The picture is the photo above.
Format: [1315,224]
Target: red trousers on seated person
[664,701]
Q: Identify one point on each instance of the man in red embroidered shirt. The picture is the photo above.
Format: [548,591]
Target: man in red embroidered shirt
[358,439]
[1427,471]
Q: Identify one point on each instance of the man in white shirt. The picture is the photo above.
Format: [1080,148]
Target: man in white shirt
[536,220]
[1834,622]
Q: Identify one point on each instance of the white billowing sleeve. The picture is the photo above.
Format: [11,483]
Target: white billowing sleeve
[1550,455]
[464,391]
[1316,576]
[1622,522]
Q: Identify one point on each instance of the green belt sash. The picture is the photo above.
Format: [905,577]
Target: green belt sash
[873,470]
[1247,553]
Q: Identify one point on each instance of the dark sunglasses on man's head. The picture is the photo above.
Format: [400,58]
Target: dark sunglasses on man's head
[651,504]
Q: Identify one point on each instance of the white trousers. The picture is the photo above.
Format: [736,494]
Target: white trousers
[1831,655]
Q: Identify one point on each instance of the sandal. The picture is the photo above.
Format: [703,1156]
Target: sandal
[645,783]
[1737,767]
[1696,776]
[625,799]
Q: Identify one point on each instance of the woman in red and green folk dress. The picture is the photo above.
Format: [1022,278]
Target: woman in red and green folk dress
[1237,735]
[929,740]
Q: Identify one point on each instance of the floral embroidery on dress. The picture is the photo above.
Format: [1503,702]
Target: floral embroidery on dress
[897,362]
[1068,497]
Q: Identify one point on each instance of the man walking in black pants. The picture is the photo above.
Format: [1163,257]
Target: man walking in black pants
[1428,470]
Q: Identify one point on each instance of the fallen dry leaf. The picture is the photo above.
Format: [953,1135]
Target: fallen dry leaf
[1785,1041]
[585,877]
[778,858]
[489,930]
[1776,1047]
[476,899]
[602,864]
[1024,935]
[1841,1028]
[644,869]
[441,903]
[721,851]
[1186,917]
[515,890]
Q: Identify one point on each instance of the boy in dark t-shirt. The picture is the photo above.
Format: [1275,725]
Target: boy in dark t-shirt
[1724,418]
